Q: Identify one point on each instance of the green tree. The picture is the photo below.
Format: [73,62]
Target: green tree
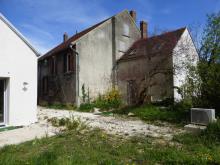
[209,66]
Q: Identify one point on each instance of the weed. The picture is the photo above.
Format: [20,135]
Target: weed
[71,123]
[154,113]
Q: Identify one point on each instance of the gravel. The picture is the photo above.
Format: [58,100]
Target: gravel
[112,125]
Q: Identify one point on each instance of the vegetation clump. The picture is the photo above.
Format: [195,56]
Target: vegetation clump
[110,100]
[69,123]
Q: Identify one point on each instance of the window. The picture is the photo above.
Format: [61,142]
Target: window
[68,63]
[52,65]
[45,85]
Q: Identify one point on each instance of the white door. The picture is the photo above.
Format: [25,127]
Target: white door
[2,102]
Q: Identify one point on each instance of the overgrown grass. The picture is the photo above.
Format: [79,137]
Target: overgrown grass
[154,113]
[96,147]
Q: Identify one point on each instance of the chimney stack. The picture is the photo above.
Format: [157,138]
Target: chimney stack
[133,15]
[65,37]
[143,28]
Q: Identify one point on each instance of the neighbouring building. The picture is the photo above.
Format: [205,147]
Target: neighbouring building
[86,59]
[18,77]
[154,68]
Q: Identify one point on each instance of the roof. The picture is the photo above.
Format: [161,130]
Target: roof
[65,45]
[160,44]
[75,37]
[7,22]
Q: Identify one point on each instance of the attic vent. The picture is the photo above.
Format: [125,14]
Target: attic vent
[202,116]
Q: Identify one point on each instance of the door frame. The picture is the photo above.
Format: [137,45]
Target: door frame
[5,102]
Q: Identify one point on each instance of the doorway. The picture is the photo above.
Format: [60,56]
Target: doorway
[131,92]
[2,102]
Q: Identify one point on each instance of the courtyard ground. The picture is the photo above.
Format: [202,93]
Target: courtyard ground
[110,124]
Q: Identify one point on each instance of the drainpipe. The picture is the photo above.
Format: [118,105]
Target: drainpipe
[77,75]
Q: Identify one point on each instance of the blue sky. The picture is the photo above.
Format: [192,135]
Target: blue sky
[43,22]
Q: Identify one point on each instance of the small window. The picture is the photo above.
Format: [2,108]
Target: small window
[68,63]
[45,85]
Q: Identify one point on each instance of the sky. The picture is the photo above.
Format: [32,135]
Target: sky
[43,22]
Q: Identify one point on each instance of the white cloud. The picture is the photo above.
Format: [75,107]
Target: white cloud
[37,31]
[68,11]
[50,17]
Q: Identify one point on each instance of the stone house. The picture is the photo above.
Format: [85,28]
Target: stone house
[154,68]
[18,77]
[86,59]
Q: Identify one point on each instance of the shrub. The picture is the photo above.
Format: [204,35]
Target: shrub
[111,99]
[212,132]
[86,107]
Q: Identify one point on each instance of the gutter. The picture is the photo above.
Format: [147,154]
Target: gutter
[77,99]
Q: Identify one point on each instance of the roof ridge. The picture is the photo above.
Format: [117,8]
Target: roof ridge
[164,33]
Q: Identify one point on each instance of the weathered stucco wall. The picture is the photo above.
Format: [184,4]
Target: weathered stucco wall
[18,64]
[185,53]
[99,49]
[95,59]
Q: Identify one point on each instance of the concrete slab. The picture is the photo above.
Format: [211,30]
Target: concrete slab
[194,128]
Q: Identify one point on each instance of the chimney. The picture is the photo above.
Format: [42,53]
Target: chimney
[65,37]
[143,28]
[133,15]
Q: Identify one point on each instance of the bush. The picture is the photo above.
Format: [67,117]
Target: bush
[212,132]
[110,100]
[86,107]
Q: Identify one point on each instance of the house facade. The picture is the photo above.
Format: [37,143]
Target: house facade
[154,68]
[18,77]
[86,59]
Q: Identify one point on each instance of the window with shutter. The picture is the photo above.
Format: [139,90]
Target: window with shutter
[68,63]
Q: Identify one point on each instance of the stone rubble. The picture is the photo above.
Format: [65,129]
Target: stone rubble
[112,125]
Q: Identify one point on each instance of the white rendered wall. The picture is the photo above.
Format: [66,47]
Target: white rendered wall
[184,53]
[18,64]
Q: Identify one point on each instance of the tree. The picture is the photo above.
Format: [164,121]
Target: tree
[161,72]
[209,66]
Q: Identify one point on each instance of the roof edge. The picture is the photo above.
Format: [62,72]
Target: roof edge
[16,31]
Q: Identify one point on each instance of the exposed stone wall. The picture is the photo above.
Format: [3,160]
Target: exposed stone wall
[137,70]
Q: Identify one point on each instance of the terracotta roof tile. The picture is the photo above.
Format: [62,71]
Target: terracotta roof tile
[163,43]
